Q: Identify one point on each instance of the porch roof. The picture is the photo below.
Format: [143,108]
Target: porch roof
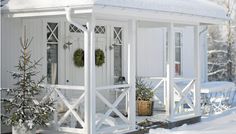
[202,8]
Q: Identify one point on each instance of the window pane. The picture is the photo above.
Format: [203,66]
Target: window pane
[178,54]
[52,63]
[52,53]
[178,39]
[118,39]
[100,29]
[178,42]
[74,29]
[118,61]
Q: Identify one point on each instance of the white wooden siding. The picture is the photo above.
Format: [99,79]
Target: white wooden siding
[150,52]
[34,30]
[12,30]
[188,52]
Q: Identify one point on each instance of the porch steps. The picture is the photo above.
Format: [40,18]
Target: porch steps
[147,125]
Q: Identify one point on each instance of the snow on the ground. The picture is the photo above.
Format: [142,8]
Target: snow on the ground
[224,123]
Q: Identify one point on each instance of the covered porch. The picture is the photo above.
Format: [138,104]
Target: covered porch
[78,106]
[176,98]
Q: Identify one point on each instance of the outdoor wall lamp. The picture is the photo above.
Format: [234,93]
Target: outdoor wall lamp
[114,45]
[67,45]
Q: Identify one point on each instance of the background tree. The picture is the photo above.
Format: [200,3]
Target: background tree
[221,54]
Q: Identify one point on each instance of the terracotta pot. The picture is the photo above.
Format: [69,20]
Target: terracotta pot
[144,108]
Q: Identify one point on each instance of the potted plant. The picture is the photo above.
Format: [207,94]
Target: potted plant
[144,98]
[23,108]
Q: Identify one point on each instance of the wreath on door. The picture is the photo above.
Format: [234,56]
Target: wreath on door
[99,57]
[79,57]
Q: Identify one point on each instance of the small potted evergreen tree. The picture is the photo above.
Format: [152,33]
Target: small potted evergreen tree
[23,109]
[144,98]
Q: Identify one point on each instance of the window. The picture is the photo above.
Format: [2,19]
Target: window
[100,30]
[74,29]
[178,46]
[52,53]
[97,29]
[117,45]
[178,52]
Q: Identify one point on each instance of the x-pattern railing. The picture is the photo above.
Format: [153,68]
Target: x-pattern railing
[159,86]
[55,93]
[113,106]
[183,96]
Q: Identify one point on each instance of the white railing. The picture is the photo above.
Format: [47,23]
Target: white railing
[59,93]
[158,85]
[184,92]
[63,93]
[112,107]
[184,95]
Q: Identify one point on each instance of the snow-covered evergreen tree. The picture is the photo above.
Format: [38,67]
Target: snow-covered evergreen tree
[221,54]
[22,107]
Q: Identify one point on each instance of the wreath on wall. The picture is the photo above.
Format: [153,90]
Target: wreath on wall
[79,57]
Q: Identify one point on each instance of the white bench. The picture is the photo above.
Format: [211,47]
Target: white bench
[217,96]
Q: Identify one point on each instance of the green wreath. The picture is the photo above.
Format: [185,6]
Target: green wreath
[99,57]
[79,57]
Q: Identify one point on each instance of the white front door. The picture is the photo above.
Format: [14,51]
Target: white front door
[110,39]
[74,41]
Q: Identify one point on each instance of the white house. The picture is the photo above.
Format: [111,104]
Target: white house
[163,41]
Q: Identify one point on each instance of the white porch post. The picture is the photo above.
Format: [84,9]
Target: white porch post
[170,70]
[89,79]
[132,72]
[197,72]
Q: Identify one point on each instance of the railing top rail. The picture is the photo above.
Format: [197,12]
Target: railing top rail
[114,87]
[183,78]
[4,89]
[68,87]
[151,77]
[160,78]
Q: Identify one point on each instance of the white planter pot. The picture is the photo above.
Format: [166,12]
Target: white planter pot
[22,130]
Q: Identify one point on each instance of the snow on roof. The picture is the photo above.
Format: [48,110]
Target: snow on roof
[13,5]
[202,8]
[193,7]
